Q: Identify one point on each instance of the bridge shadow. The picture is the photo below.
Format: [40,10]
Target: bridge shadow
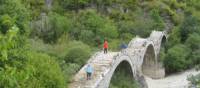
[123,77]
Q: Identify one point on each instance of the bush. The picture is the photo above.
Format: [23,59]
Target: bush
[51,27]
[114,45]
[77,53]
[195,80]
[174,38]
[158,21]
[195,57]
[189,25]
[90,26]
[193,41]
[87,36]
[46,72]
[69,69]
[74,4]
[18,13]
[6,22]
[176,58]
[29,69]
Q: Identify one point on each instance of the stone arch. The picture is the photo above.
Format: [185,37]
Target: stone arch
[160,72]
[149,62]
[159,38]
[135,73]
[145,54]
[125,70]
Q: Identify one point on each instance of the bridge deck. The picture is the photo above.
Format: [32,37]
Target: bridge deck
[101,64]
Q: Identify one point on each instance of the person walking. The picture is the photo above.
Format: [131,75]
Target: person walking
[105,46]
[89,71]
[123,46]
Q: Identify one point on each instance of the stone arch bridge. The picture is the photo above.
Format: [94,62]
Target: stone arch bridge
[142,57]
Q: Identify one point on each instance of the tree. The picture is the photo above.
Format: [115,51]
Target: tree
[175,59]
[17,12]
[51,27]
[73,4]
[87,36]
[193,41]
[97,26]
[158,22]
[6,22]
[190,25]
[174,38]
[78,53]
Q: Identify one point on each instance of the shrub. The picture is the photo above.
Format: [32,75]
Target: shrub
[69,69]
[87,36]
[18,13]
[51,27]
[158,21]
[176,58]
[77,53]
[174,37]
[193,41]
[114,45]
[189,25]
[6,22]
[47,72]
[91,27]
[195,80]
[195,55]
[30,69]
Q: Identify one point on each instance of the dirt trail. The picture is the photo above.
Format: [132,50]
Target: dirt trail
[178,80]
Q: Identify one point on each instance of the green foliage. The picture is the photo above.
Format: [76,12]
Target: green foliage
[142,27]
[195,80]
[193,41]
[77,53]
[87,36]
[174,37]
[47,72]
[52,27]
[21,68]
[91,27]
[15,10]
[176,58]
[114,45]
[69,69]
[190,25]
[58,25]
[121,81]
[30,69]
[195,58]
[73,4]
[7,42]
[158,21]
[36,7]
[6,23]
[123,77]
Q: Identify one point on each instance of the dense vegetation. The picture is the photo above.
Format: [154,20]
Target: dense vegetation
[43,43]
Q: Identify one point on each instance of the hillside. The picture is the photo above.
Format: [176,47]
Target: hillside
[43,43]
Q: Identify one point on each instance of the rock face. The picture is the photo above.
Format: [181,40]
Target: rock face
[48,3]
[141,55]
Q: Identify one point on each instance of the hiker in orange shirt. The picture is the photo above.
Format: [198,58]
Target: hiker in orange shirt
[105,46]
